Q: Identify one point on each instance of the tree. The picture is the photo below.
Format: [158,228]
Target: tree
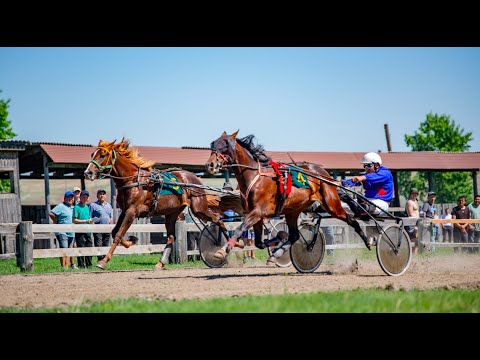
[6,132]
[439,133]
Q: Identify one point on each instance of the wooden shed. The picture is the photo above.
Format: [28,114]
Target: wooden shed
[10,204]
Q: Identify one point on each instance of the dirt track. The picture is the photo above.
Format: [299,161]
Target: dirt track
[59,289]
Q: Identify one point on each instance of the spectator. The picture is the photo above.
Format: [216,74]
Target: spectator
[475,214]
[412,210]
[101,212]
[76,192]
[447,228]
[62,214]
[428,208]
[461,232]
[428,211]
[81,215]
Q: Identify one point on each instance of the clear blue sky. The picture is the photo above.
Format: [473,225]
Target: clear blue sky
[297,99]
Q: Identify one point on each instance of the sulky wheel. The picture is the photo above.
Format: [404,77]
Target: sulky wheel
[211,240]
[394,264]
[305,257]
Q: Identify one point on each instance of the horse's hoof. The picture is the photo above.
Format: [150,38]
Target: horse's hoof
[101,264]
[126,244]
[159,266]
[220,254]
[133,239]
[260,246]
[272,261]
[240,244]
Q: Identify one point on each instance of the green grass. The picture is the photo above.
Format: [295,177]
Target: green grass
[355,301]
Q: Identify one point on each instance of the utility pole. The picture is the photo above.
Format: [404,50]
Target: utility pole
[396,199]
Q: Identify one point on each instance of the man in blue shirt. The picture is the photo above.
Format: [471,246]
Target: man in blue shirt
[101,212]
[377,182]
[62,214]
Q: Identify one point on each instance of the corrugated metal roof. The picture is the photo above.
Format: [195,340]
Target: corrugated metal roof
[81,154]
[13,145]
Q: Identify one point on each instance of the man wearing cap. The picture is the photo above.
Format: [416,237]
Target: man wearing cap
[81,215]
[101,212]
[62,214]
[428,211]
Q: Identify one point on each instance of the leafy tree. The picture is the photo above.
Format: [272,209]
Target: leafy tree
[439,133]
[6,132]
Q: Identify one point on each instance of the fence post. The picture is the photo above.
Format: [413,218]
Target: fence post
[180,246]
[424,234]
[25,247]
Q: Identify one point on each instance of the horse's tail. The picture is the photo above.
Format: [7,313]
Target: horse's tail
[213,202]
[222,203]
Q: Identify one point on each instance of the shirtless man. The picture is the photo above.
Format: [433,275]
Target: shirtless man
[412,210]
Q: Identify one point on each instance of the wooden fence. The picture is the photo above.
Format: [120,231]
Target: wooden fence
[25,237]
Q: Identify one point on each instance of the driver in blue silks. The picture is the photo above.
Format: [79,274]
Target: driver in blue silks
[377,182]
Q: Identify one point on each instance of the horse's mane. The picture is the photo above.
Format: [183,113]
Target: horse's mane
[128,153]
[257,150]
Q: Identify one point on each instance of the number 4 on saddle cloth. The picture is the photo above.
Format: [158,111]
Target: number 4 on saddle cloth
[286,177]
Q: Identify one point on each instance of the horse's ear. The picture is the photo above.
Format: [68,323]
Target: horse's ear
[224,133]
[234,135]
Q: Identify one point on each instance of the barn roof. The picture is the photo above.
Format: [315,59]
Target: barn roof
[196,157]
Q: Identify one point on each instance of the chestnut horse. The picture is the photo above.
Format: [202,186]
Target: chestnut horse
[137,194]
[259,190]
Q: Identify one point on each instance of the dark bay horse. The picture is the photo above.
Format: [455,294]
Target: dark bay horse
[259,189]
[137,194]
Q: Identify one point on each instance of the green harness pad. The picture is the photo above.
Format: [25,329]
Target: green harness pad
[170,189]
[299,180]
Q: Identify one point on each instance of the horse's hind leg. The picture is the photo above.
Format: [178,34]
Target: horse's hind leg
[332,204]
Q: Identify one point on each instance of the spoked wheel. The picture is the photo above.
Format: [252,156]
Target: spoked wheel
[394,264]
[211,240]
[305,257]
[284,260]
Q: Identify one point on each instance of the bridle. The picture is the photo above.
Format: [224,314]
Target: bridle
[102,168]
[223,152]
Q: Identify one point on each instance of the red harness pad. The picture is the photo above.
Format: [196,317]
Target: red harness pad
[279,168]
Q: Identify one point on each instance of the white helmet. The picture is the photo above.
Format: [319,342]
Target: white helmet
[371,157]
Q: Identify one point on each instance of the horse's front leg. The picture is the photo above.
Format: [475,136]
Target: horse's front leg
[249,220]
[126,219]
[170,221]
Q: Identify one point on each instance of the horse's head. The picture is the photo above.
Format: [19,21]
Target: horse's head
[223,152]
[103,160]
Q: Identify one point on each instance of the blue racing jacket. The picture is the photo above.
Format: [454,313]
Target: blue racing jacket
[377,185]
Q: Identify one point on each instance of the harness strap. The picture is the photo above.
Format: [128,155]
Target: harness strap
[245,197]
